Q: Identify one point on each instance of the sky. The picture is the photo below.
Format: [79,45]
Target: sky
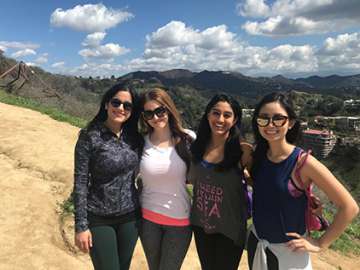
[293,38]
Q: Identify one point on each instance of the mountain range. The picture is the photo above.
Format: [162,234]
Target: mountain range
[239,84]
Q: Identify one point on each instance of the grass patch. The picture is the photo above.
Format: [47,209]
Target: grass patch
[36,106]
[349,241]
[67,206]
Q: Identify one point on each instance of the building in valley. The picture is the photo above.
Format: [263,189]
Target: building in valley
[321,142]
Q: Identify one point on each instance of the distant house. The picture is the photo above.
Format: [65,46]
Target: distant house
[352,103]
[340,122]
[354,123]
[247,113]
[304,125]
[321,142]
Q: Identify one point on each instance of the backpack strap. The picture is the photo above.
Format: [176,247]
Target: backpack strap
[299,164]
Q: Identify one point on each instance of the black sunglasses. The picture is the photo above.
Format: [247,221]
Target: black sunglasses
[116,103]
[159,111]
[277,120]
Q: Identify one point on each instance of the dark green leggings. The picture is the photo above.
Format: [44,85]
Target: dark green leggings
[113,245]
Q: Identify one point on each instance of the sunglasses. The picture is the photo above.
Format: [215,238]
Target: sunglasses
[116,103]
[277,120]
[159,112]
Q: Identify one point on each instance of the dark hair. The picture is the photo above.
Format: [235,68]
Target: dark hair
[292,135]
[232,151]
[130,129]
[182,138]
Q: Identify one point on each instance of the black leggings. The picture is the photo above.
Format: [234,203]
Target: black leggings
[216,251]
[113,245]
[271,259]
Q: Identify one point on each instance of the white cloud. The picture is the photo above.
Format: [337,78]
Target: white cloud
[89,18]
[299,17]
[341,53]
[22,53]
[105,52]
[58,64]
[253,8]
[285,26]
[32,64]
[95,69]
[342,43]
[42,59]
[177,46]
[291,59]
[18,45]
[210,38]
[94,50]
[94,39]
[174,33]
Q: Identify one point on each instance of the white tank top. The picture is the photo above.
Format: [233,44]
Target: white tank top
[163,175]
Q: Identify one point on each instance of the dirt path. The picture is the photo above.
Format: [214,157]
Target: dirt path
[36,163]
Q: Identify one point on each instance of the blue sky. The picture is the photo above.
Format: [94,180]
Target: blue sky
[254,37]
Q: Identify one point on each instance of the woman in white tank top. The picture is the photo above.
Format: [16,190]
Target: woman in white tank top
[165,231]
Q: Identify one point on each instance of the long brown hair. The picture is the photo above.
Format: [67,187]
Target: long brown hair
[181,137]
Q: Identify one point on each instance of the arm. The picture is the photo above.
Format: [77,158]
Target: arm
[81,181]
[246,160]
[314,171]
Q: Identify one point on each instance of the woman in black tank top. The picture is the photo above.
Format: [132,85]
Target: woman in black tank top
[219,206]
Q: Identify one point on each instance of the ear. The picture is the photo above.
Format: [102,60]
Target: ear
[291,123]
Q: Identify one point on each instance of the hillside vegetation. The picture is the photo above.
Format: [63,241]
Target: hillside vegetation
[79,96]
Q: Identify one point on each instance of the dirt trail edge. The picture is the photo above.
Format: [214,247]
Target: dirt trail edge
[36,175]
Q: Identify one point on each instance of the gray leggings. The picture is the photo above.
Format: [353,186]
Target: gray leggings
[165,247]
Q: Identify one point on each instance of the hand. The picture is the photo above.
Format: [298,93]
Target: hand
[303,243]
[83,240]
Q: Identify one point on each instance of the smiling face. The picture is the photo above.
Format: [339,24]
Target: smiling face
[221,118]
[277,124]
[119,114]
[159,117]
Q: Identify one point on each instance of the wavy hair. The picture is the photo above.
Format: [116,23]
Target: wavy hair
[292,135]
[232,151]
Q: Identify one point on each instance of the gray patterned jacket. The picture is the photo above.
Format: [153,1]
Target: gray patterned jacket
[105,169]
